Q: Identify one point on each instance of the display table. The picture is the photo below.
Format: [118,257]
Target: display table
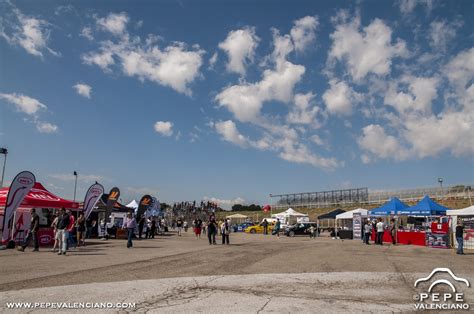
[411,237]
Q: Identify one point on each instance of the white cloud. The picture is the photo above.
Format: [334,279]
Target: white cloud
[460,70]
[225,203]
[164,128]
[422,92]
[24,103]
[240,48]
[441,33]
[228,131]
[380,144]
[28,32]
[316,139]
[367,51]
[304,32]
[115,23]
[340,98]
[245,100]
[45,127]
[174,66]
[407,6]
[213,60]
[86,32]
[83,89]
[304,110]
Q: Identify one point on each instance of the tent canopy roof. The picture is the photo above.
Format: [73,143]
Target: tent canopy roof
[468,211]
[289,212]
[237,216]
[39,197]
[332,215]
[389,208]
[425,207]
[350,214]
[133,204]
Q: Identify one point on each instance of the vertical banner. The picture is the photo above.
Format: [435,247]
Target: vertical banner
[19,188]
[357,226]
[145,203]
[92,197]
[114,195]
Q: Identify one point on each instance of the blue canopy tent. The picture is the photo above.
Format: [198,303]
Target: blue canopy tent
[392,207]
[426,207]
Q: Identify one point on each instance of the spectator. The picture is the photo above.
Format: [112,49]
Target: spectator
[393,231]
[225,231]
[276,229]
[367,232]
[179,225]
[380,231]
[459,237]
[61,234]
[212,230]
[80,229]
[32,232]
[129,224]
[54,225]
[70,231]
[265,226]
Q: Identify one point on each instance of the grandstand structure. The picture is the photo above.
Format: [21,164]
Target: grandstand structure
[366,196]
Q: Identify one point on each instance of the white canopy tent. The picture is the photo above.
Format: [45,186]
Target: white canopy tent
[350,214]
[237,218]
[468,211]
[290,216]
[133,204]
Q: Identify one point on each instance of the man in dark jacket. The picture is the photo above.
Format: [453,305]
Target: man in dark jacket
[32,232]
[459,237]
[61,233]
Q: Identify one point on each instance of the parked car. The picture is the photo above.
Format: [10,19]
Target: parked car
[259,228]
[301,228]
[241,227]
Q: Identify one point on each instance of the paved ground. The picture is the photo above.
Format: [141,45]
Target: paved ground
[254,273]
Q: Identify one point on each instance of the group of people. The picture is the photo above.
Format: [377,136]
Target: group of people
[378,227]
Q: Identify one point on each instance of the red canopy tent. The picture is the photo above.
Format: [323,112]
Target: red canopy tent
[39,197]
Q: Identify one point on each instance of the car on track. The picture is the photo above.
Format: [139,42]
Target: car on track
[241,227]
[300,228]
[259,228]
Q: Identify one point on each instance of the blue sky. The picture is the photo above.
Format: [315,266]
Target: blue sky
[235,100]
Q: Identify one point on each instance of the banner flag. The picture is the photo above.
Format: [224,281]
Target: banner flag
[92,197]
[145,203]
[114,195]
[19,188]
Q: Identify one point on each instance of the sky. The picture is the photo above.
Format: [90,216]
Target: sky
[234,100]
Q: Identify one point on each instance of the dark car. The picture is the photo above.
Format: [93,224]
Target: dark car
[241,227]
[301,228]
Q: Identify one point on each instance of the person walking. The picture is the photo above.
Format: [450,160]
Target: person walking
[459,237]
[70,230]
[32,232]
[129,224]
[80,230]
[312,231]
[265,226]
[276,229]
[367,232]
[54,225]
[197,228]
[61,234]
[185,226]
[225,231]
[393,231]
[179,225]
[380,231]
[212,230]
[152,228]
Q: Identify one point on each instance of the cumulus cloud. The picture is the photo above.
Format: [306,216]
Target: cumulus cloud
[340,98]
[31,107]
[304,111]
[225,203]
[376,141]
[23,103]
[421,93]
[174,66]
[366,51]
[303,32]
[228,131]
[213,60]
[31,33]
[83,89]
[164,128]
[408,6]
[86,32]
[114,23]
[240,48]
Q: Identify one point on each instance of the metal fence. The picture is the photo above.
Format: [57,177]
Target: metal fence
[365,196]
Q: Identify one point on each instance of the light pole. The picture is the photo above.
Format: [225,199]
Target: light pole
[440,181]
[75,184]
[3,151]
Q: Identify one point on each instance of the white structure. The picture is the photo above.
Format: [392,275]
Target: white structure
[350,214]
[459,214]
[468,211]
[133,204]
[290,216]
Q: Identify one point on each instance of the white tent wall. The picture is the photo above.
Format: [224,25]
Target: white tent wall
[290,216]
